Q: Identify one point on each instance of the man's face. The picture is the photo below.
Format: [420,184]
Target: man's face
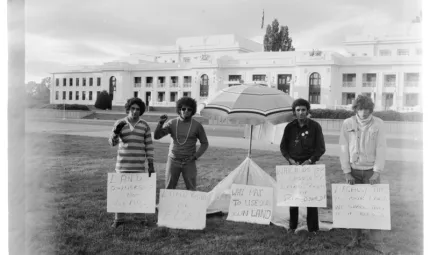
[134,112]
[301,112]
[363,113]
[186,112]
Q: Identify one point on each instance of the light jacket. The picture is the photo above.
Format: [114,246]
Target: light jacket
[362,149]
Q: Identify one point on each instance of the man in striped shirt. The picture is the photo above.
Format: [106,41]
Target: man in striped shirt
[135,145]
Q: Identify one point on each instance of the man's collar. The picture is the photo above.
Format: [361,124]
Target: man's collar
[306,122]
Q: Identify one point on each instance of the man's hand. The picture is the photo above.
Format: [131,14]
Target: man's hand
[119,127]
[307,162]
[163,119]
[375,178]
[150,170]
[189,159]
[349,179]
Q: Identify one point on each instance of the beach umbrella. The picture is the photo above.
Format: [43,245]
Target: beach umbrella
[252,104]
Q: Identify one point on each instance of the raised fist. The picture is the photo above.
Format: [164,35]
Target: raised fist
[119,127]
[163,118]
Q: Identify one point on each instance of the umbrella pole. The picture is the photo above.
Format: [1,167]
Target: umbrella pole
[249,154]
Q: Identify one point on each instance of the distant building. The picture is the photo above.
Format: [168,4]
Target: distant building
[386,68]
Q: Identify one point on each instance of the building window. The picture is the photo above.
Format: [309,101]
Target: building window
[99,81]
[64,95]
[412,79]
[187,94]
[387,100]
[57,82]
[204,85]
[173,81]
[411,99]
[64,81]
[173,96]
[91,81]
[403,52]
[57,95]
[284,81]
[389,80]
[259,77]
[348,79]
[149,82]
[314,88]
[369,80]
[186,59]
[136,94]
[137,82]
[77,82]
[367,94]
[98,94]
[161,82]
[71,82]
[160,96]
[77,95]
[347,98]
[187,81]
[234,80]
[70,95]
[83,95]
[90,95]
[385,53]
[84,81]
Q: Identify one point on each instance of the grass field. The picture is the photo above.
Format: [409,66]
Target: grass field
[66,206]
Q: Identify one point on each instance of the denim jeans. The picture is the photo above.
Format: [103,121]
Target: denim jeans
[175,167]
[363,177]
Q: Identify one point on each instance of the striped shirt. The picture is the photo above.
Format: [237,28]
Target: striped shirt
[135,146]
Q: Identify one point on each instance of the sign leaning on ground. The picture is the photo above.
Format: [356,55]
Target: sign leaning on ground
[131,193]
[361,206]
[182,209]
[251,204]
[301,185]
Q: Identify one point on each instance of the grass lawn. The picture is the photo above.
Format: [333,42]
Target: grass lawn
[66,206]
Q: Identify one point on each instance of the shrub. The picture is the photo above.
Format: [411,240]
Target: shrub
[75,107]
[103,101]
[384,115]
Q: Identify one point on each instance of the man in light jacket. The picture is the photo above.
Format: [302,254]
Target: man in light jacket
[362,156]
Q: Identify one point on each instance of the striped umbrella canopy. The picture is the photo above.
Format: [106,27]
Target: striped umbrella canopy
[252,104]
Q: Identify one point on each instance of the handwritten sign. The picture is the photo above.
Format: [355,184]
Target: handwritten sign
[131,193]
[361,206]
[251,204]
[301,185]
[182,209]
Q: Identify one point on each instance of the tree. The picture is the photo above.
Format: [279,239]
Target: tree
[277,39]
[103,101]
[39,91]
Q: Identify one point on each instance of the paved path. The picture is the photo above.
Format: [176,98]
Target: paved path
[94,130]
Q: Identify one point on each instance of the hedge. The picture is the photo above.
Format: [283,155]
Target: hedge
[384,115]
[76,107]
[103,101]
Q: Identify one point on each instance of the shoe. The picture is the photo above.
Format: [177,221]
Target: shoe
[354,243]
[116,224]
[312,234]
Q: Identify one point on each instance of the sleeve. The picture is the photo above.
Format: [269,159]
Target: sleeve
[163,130]
[381,148]
[344,149]
[114,138]
[284,144]
[319,143]
[204,143]
[149,146]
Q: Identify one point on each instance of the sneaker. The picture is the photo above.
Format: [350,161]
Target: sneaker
[116,224]
[354,243]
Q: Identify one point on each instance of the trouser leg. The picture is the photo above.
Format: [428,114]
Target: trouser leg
[119,217]
[189,173]
[173,171]
[312,219]
[294,217]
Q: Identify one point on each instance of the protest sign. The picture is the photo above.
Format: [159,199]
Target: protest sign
[131,193]
[182,209]
[251,204]
[361,206]
[301,185]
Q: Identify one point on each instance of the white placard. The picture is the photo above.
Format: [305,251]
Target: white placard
[361,206]
[131,193]
[182,209]
[301,185]
[251,204]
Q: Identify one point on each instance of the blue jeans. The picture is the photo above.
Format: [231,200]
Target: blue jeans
[175,167]
[363,177]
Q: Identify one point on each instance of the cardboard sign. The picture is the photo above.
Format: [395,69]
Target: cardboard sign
[301,185]
[361,206]
[251,204]
[182,209]
[131,193]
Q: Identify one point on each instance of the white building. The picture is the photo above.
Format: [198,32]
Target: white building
[386,68]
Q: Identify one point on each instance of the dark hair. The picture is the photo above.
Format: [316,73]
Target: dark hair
[300,102]
[363,102]
[188,101]
[135,100]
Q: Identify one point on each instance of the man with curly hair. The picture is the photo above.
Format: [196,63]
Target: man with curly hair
[135,145]
[303,144]
[362,156]
[185,131]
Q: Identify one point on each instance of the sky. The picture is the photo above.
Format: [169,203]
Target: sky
[64,33]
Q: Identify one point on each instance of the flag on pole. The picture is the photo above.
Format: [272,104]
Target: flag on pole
[262,20]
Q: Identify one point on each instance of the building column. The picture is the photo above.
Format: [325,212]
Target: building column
[378,91]
[400,89]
